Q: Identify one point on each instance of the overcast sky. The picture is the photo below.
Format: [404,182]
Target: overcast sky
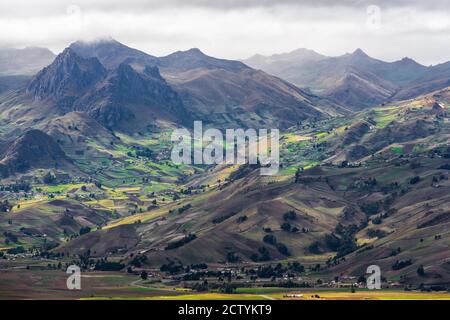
[236,29]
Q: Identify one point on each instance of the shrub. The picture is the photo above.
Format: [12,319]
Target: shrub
[184,208]
[414,180]
[283,249]
[421,271]
[241,219]
[270,239]
[144,275]
[371,208]
[290,215]
[262,255]
[84,230]
[223,218]
[232,257]
[181,242]
[103,265]
[401,264]
[286,226]
[314,247]
[16,250]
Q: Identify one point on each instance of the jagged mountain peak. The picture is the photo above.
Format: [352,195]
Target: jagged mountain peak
[359,56]
[408,62]
[67,77]
[360,53]
[195,52]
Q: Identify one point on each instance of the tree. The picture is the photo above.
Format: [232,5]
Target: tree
[228,288]
[283,249]
[270,239]
[314,247]
[290,215]
[298,175]
[49,178]
[414,180]
[144,275]
[5,206]
[232,257]
[84,230]
[361,279]
[286,226]
[421,271]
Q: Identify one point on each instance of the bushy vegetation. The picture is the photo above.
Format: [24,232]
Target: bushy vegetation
[181,242]
[262,255]
[272,240]
[400,264]
[223,218]
[5,206]
[172,267]
[343,242]
[290,215]
[232,257]
[104,265]
[184,208]
[138,261]
[84,230]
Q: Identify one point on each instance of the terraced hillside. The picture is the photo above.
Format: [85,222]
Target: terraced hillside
[387,206]
[82,183]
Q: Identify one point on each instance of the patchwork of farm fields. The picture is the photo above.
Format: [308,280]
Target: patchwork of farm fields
[51,285]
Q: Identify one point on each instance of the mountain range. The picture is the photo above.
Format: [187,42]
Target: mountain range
[123,89]
[355,80]
[213,89]
[364,165]
[117,85]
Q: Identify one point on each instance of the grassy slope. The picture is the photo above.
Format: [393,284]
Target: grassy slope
[320,203]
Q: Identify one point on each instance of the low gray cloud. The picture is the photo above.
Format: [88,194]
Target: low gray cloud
[236,28]
[48,7]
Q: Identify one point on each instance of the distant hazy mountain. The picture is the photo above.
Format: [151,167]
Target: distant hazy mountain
[26,61]
[282,64]
[435,78]
[354,80]
[18,65]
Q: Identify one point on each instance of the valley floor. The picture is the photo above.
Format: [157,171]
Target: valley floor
[23,284]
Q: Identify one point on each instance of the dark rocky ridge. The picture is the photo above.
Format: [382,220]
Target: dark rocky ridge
[66,79]
[191,85]
[114,97]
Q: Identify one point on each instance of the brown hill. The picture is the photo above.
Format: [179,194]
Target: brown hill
[34,149]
